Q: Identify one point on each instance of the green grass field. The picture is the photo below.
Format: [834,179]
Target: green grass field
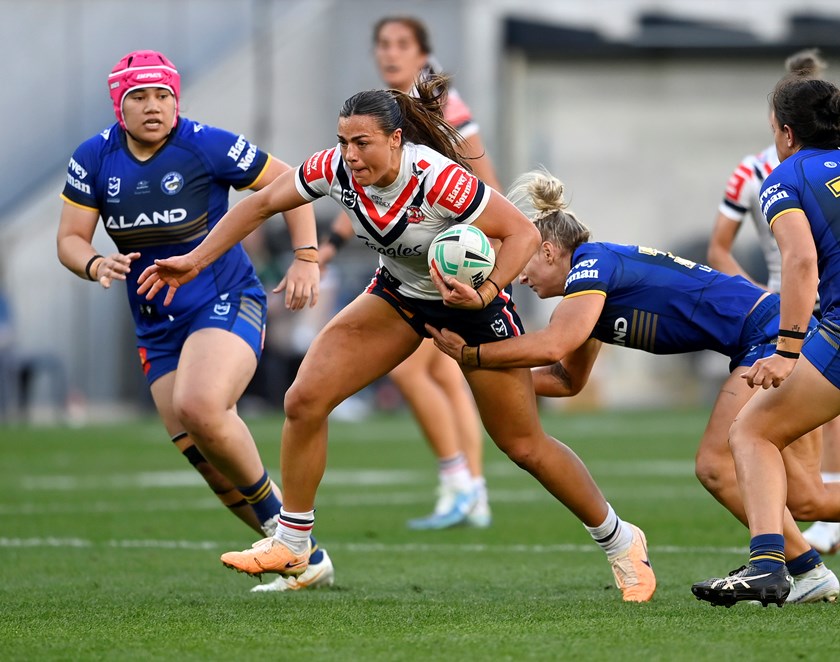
[109,550]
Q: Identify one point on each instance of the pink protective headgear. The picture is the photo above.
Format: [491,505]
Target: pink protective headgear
[142,69]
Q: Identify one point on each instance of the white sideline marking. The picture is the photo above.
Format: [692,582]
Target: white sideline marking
[406,548]
[329,499]
[335,477]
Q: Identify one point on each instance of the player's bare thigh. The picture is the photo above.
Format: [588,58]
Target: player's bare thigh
[363,342]
[803,402]
[214,369]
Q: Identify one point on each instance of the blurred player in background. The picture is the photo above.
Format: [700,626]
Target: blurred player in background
[160,182]
[430,382]
[800,383]
[646,299]
[398,173]
[740,199]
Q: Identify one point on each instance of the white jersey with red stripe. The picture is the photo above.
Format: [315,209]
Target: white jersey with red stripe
[430,194]
[741,198]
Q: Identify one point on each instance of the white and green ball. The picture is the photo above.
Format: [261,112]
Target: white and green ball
[463,252]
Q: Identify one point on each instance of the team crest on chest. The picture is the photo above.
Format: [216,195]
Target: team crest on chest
[349,198]
[414,215]
[172,183]
[113,187]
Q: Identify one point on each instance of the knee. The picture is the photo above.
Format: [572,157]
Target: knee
[522,452]
[196,412]
[710,471]
[302,402]
[804,507]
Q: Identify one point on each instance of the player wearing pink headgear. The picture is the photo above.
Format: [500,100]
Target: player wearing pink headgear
[199,358]
[143,69]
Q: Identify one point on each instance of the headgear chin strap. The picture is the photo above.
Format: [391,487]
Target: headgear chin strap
[142,69]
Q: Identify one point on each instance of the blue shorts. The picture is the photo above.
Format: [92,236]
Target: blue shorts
[761,333]
[822,349]
[242,313]
[497,321]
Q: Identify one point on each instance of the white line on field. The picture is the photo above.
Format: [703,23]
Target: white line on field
[344,499]
[335,477]
[354,547]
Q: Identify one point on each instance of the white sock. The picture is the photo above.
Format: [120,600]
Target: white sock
[480,487]
[613,536]
[830,476]
[294,529]
[454,473]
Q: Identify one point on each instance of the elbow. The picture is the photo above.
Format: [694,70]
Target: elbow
[574,388]
[552,356]
[60,252]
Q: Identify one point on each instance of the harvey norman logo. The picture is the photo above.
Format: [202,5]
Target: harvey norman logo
[771,195]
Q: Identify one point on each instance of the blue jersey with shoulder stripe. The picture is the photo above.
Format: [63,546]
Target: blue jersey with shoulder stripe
[809,181]
[165,206]
[661,303]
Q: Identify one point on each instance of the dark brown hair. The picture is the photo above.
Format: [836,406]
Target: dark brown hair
[420,117]
[811,108]
[417,27]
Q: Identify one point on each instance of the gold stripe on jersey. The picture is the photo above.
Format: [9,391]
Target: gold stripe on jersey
[831,341]
[834,186]
[582,292]
[782,213]
[643,330]
[76,204]
[653,333]
[251,312]
[161,234]
[634,329]
[259,176]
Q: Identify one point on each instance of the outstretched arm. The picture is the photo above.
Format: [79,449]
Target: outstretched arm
[571,326]
[567,377]
[279,196]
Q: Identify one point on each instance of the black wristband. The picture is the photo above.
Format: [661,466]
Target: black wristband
[90,264]
[787,355]
[478,352]
[796,335]
[336,240]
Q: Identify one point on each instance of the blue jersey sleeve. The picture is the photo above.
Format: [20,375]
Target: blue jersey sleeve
[778,195]
[591,271]
[234,160]
[80,184]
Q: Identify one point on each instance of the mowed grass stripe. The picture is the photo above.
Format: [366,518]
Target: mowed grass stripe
[363,548]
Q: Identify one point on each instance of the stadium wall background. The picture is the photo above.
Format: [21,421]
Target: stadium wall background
[641,107]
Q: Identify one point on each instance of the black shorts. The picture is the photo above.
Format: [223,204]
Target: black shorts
[497,321]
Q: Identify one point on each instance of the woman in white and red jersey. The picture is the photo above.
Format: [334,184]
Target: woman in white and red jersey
[397,173]
[430,382]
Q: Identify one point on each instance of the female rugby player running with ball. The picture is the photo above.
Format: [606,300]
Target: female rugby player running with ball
[398,174]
